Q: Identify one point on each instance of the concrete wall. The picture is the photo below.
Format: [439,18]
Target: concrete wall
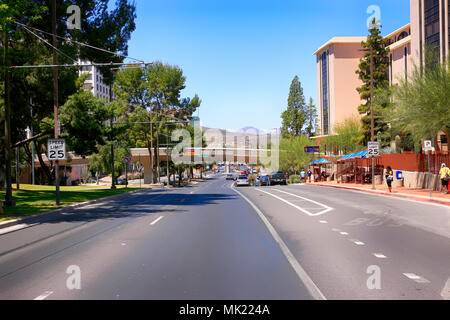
[419,180]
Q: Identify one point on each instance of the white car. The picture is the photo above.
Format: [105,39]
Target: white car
[242,180]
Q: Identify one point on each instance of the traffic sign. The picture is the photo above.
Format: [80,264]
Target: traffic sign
[428,146]
[312,149]
[373,149]
[126,159]
[56,149]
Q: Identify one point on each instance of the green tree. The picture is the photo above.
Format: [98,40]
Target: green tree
[421,103]
[311,118]
[101,27]
[293,119]
[292,153]
[153,95]
[346,138]
[379,46]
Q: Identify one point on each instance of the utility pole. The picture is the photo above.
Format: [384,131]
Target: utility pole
[151,144]
[372,120]
[167,155]
[33,182]
[55,97]
[17,169]
[9,201]
[113,182]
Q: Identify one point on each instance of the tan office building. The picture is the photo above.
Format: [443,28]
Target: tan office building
[338,59]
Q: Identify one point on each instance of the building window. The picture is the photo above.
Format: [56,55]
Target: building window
[432,28]
[391,76]
[406,62]
[402,35]
[325,102]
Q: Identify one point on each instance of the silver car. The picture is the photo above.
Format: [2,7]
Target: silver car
[242,180]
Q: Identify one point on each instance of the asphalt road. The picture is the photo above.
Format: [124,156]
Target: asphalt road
[200,242]
[210,241]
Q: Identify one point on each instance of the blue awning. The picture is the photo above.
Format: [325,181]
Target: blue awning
[320,161]
[346,157]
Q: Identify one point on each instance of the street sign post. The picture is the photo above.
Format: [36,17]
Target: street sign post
[56,149]
[373,150]
[428,148]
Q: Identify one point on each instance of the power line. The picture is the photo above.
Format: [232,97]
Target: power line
[79,43]
[48,43]
[77,65]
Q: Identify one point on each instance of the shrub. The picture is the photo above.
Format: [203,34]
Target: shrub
[294,179]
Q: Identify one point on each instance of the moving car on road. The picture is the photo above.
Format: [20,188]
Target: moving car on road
[277,178]
[242,180]
[230,177]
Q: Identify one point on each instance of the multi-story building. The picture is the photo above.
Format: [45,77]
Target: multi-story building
[338,59]
[94,81]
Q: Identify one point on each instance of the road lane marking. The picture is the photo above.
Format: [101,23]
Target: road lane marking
[357,242]
[416,278]
[327,208]
[301,273]
[44,296]
[156,221]
[323,221]
[344,233]
[380,255]
[445,294]
[297,207]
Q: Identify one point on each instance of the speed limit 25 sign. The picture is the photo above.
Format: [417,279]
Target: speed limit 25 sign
[56,149]
[373,149]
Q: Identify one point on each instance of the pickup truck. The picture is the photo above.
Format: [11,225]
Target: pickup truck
[277,178]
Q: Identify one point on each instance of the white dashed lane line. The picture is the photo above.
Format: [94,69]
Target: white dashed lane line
[357,242]
[323,221]
[380,255]
[344,233]
[416,278]
[44,296]
[156,221]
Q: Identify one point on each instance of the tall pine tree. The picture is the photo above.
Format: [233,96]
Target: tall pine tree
[294,117]
[379,45]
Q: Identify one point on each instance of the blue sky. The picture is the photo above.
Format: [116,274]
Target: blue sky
[240,56]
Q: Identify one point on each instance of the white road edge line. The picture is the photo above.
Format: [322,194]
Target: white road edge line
[44,296]
[295,206]
[156,221]
[301,273]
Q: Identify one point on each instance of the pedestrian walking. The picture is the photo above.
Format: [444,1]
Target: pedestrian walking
[309,173]
[389,177]
[303,176]
[444,173]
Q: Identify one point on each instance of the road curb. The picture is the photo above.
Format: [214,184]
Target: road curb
[382,193]
[40,216]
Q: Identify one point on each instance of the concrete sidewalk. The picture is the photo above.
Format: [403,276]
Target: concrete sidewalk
[399,192]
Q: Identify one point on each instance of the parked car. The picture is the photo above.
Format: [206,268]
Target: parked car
[265,181]
[242,180]
[230,177]
[277,178]
[121,181]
